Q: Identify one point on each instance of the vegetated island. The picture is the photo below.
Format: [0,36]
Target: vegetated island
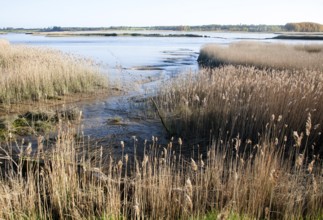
[278,56]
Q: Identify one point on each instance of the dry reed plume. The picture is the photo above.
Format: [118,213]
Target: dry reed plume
[28,73]
[244,101]
[72,181]
[253,115]
[262,55]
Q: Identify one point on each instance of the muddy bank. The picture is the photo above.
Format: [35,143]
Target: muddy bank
[57,102]
[29,119]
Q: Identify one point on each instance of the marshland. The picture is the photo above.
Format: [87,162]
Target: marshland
[122,127]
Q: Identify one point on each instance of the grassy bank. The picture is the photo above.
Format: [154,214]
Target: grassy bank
[29,73]
[73,180]
[278,56]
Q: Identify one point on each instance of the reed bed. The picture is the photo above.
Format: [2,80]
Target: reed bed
[30,73]
[244,101]
[262,160]
[73,181]
[264,55]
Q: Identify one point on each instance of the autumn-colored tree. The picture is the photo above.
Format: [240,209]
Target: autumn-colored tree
[304,27]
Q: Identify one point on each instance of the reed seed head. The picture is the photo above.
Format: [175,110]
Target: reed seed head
[180,142]
[193,165]
[308,125]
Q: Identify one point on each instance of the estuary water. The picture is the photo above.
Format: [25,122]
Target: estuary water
[136,66]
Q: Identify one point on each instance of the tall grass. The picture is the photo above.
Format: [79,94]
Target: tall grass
[244,101]
[30,73]
[73,182]
[262,162]
[262,55]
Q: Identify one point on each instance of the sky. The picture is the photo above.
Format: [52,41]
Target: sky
[106,13]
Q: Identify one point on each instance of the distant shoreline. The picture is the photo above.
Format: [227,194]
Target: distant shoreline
[114,34]
[282,36]
[303,36]
[311,36]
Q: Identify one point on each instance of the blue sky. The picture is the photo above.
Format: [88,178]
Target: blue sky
[99,13]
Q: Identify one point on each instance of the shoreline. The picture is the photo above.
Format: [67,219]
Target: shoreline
[57,102]
[317,36]
[114,34]
[299,37]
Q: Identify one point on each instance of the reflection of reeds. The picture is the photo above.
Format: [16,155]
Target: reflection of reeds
[71,181]
[245,101]
[28,73]
[263,55]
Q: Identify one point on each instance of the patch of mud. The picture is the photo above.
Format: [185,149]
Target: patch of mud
[117,121]
[146,68]
[54,103]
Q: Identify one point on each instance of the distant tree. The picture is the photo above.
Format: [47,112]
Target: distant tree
[56,28]
[304,27]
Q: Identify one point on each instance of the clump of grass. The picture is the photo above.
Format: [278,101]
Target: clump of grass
[263,55]
[36,122]
[73,181]
[244,101]
[310,48]
[29,73]
[60,183]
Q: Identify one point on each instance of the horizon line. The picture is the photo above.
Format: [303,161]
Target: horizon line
[145,26]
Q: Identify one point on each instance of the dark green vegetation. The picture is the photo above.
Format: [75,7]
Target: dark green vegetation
[33,123]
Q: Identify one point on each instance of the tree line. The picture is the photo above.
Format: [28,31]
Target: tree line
[304,27]
[289,27]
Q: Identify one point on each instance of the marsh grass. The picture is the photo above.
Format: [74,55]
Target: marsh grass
[30,73]
[262,115]
[263,55]
[76,180]
[244,101]
[257,164]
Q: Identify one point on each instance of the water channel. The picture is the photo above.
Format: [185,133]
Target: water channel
[137,66]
